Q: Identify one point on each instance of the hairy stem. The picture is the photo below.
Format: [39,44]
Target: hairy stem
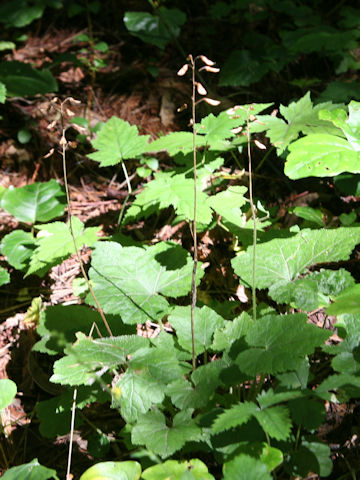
[193,279]
[253,216]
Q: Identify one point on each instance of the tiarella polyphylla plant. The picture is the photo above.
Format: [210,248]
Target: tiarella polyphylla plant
[252,406]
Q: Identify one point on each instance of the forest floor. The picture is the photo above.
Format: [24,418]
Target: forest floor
[97,198]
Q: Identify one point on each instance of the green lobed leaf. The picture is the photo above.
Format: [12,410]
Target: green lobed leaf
[275,421]
[206,322]
[274,345]
[178,470]
[176,142]
[36,202]
[118,141]
[196,394]
[231,331]
[18,246]
[8,391]
[171,190]
[307,412]
[152,431]
[300,117]
[133,281]
[54,243]
[281,260]
[30,471]
[88,359]
[145,380]
[129,470]
[228,203]
[244,467]
[234,417]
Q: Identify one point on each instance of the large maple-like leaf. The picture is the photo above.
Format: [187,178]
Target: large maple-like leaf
[118,141]
[134,282]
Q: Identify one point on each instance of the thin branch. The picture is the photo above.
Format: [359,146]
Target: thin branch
[63,143]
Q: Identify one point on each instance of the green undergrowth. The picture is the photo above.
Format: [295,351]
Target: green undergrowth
[264,377]
[253,405]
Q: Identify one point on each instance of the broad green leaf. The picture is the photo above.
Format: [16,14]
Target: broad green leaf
[206,322]
[244,467]
[268,398]
[321,155]
[2,92]
[348,183]
[21,80]
[36,202]
[129,470]
[228,203]
[178,470]
[58,409]
[118,141]
[59,324]
[344,385]
[348,327]
[18,246]
[346,363]
[136,392]
[318,38]
[274,345]
[234,417]
[275,421]
[281,260]
[232,331]
[347,302]
[349,125]
[313,215]
[30,471]
[242,68]
[176,142]
[158,29]
[145,380]
[205,380]
[133,281]
[152,431]
[311,457]
[7,392]
[4,276]
[171,190]
[55,243]
[219,127]
[300,116]
[307,412]
[88,359]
